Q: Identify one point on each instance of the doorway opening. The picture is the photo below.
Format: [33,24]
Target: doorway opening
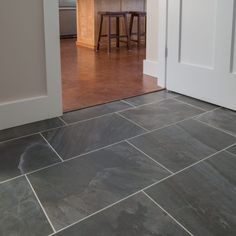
[91,78]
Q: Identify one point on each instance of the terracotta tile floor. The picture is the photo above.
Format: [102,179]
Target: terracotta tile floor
[91,78]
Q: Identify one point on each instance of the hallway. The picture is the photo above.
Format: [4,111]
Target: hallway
[157,164]
[90,78]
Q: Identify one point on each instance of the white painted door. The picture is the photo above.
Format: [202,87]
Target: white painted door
[201,42]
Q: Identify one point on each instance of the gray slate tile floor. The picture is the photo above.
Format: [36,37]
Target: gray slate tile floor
[165,166]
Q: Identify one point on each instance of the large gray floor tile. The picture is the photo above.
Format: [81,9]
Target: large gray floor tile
[149,98]
[202,198]
[136,216]
[90,135]
[29,129]
[160,114]
[221,118]
[91,112]
[20,213]
[24,155]
[181,145]
[74,189]
[195,102]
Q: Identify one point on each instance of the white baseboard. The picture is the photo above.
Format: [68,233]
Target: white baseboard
[150,68]
[154,68]
[25,111]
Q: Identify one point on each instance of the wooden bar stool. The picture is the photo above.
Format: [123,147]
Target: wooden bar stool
[139,15]
[118,16]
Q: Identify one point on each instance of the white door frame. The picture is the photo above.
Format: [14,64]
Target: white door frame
[47,106]
[155,63]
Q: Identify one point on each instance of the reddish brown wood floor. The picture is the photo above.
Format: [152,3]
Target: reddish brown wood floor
[91,78]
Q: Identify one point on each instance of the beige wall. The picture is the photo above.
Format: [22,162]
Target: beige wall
[22,50]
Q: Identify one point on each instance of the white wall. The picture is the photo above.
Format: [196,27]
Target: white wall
[22,50]
[154,64]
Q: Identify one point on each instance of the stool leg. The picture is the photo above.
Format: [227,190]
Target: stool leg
[117,32]
[109,34]
[131,26]
[139,31]
[127,30]
[99,34]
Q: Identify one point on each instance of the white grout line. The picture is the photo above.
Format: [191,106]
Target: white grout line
[176,99]
[230,152]
[98,149]
[61,162]
[8,180]
[149,103]
[52,147]
[149,157]
[176,221]
[142,190]
[159,181]
[31,134]
[103,209]
[132,121]
[13,139]
[92,118]
[75,157]
[212,126]
[175,123]
[40,204]
[115,112]
[188,167]
[64,122]
[124,101]
[81,121]
[83,154]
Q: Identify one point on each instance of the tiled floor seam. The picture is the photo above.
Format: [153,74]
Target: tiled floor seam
[231,152]
[39,202]
[114,112]
[72,158]
[212,126]
[92,118]
[175,123]
[97,212]
[190,166]
[31,134]
[52,147]
[176,221]
[130,104]
[78,156]
[149,157]
[146,104]
[63,121]
[141,190]
[76,122]
[8,180]
[135,123]
[176,99]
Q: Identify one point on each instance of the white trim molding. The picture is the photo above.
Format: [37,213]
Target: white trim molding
[155,63]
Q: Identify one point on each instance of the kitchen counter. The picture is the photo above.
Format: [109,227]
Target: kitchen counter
[88,20]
